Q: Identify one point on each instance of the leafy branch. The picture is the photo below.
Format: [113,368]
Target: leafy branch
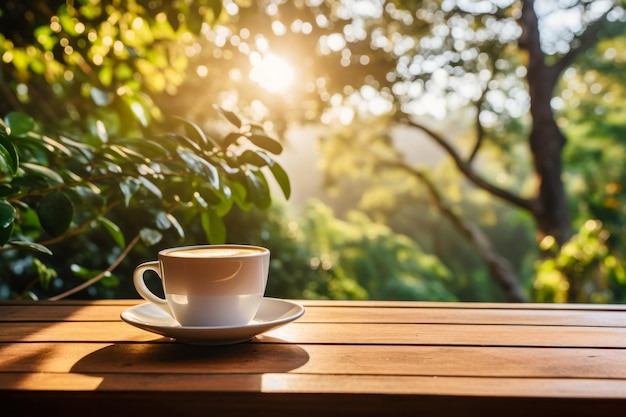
[102,274]
[168,178]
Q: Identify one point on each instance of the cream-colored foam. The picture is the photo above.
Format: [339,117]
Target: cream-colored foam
[213,252]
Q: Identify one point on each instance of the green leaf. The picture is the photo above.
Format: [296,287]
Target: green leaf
[9,153]
[7,218]
[129,187]
[139,110]
[213,227]
[19,123]
[172,18]
[109,280]
[194,20]
[45,274]
[162,221]
[66,20]
[57,145]
[224,164]
[105,75]
[98,130]
[52,176]
[196,133]
[150,186]
[89,197]
[260,158]
[84,148]
[200,167]
[165,221]
[82,272]
[187,142]
[126,154]
[240,193]
[216,7]
[267,143]
[231,139]
[4,158]
[30,296]
[45,37]
[220,200]
[114,230]
[258,189]
[150,236]
[176,225]
[230,116]
[101,97]
[55,212]
[5,234]
[149,148]
[7,190]
[282,178]
[255,158]
[7,214]
[36,247]
[211,195]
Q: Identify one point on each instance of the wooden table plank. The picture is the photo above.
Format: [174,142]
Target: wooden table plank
[60,313]
[336,384]
[453,335]
[404,315]
[341,358]
[172,358]
[468,316]
[325,333]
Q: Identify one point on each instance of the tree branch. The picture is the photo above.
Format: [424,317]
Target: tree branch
[499,267]
[586,40]
[101,275]
[480,131]
[44,191]
[470,174]
[78,230]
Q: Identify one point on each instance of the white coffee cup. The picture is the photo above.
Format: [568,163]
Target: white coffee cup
[208,285]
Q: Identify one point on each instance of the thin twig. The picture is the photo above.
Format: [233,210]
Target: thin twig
[76,231]
[44,191]
[101,275]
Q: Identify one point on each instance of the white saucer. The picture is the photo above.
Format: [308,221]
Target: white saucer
[272,313]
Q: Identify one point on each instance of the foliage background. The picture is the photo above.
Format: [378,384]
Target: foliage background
[104,73]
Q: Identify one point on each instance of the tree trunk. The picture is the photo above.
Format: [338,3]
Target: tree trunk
[549,208]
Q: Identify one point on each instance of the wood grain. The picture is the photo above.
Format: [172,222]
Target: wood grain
[316,384]
[253,358]
[341,358]
[337,333]
[328,314]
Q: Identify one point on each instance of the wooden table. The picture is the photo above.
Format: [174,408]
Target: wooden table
[341,358]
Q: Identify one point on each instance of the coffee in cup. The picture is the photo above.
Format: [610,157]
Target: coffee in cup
[208,285]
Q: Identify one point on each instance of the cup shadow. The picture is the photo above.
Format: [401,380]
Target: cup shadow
[165,362]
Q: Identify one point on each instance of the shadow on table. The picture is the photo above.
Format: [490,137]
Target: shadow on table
[177,366]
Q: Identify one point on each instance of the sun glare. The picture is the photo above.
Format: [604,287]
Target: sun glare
[273,73]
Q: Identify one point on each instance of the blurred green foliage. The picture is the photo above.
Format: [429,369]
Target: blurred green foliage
[97,158]
[98,167]
[318,255]
[585,260]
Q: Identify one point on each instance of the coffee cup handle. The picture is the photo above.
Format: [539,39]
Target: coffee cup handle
[143,290]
